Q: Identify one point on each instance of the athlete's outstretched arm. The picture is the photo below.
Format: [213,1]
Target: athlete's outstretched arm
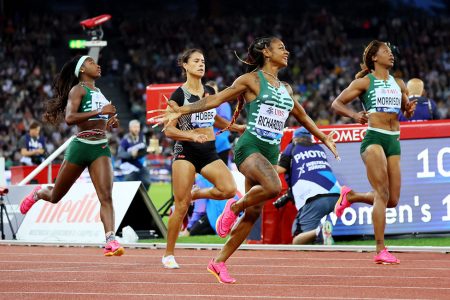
[223,123]
[212,101]
[239,86]
[172,132]
[353,91]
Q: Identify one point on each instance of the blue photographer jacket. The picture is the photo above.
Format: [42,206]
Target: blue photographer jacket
[310,174]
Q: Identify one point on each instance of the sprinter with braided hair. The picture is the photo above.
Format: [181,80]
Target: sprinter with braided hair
[269,102]
[383,97]
[80,103]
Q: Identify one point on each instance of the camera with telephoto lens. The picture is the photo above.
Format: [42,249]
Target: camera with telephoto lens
[283,200]
[3,191]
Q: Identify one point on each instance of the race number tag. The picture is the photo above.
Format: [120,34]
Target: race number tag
[388,100]
[270,121]
[98,101]
[203,119]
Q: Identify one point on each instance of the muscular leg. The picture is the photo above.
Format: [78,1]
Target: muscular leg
[377,173]
[183,176]
[267,183]
[240,232]
[395,180]
[355,197]
[261,184]
[67,175]
[220,176]
[102,177]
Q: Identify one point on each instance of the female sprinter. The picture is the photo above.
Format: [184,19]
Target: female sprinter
[194,151]
[383,97]
[268,103]
[82,104]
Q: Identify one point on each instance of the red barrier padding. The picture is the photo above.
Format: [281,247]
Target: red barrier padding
[156,96]
[20,172]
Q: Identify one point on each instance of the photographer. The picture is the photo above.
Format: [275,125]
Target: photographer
[133,151]
[314,189]
[32,146]
[426,108]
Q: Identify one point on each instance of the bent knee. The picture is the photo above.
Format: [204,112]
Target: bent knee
[182,206]
[228,191]
[273,190]
[105,199]
[393,202]
[383,194]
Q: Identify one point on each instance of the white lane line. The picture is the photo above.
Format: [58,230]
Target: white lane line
[240,284]
[263,266]
[177,272]
[165,295]
[2,254]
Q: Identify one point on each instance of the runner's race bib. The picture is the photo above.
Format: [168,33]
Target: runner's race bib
[98,101]
[203,119]
[270,121]
[388,100]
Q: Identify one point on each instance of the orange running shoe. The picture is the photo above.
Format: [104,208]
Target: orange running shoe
[220,271]
[113,248]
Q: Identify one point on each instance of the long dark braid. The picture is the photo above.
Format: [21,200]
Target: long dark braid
[368,64]
[255,59]
[62,85]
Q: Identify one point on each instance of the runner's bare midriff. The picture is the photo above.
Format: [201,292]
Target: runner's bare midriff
[386,121]
[208,131]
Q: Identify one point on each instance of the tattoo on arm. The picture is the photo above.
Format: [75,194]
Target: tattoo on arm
[200,105]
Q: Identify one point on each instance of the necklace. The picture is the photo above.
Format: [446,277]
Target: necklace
[87,85]
[273,76]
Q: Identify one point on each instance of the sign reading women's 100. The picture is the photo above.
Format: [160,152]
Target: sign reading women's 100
[425,193]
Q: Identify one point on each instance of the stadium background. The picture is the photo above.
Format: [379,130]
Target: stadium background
[325,38]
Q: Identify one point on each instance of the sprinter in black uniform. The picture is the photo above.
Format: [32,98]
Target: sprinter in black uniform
[194,151]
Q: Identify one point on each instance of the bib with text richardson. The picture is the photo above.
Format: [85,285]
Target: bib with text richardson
[270,121]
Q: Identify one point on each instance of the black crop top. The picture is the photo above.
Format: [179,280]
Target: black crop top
[196,120]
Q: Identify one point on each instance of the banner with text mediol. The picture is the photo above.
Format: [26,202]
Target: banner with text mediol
[76,218]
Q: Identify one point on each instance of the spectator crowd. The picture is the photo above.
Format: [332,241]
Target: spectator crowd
[324,50]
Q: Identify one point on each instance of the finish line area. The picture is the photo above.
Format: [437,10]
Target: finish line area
[75,271]
[259,247]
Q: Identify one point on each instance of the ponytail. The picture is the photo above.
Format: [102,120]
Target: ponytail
[62,85]
[364,71]
[368,64]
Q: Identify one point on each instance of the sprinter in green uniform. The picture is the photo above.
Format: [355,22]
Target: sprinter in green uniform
[383,97]
[269,103]
[80,103]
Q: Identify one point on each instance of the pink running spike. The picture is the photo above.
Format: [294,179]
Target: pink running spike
[220,271]
[226,220]
[342,202]
[29,200]
[113,248]
[386,258]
